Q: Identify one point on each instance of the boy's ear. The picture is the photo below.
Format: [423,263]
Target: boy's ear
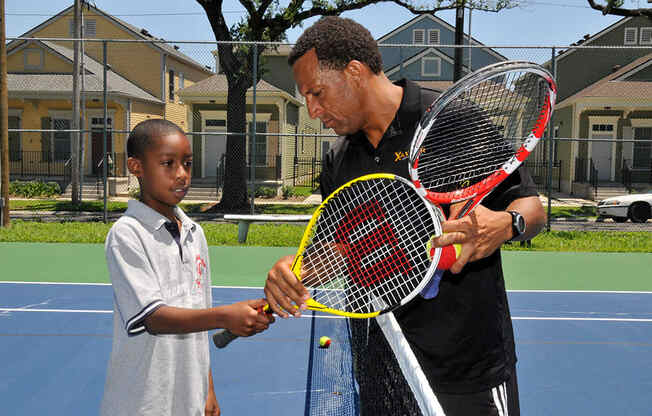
[135,167]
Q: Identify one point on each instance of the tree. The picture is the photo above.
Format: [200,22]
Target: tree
[615,7]
[267,20]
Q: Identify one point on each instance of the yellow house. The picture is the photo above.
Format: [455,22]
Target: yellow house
[143,76]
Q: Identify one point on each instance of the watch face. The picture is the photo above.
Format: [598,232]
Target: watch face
[520,223]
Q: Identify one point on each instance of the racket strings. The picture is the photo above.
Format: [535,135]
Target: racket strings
[367,251]
[480,130]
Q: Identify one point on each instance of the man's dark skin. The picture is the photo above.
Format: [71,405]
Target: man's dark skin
[355,99]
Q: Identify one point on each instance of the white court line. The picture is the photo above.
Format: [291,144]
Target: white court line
[55,310]
[633,292]
[515,318]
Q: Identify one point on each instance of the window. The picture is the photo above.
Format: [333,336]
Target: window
[260,142]
[646,36]
[603,127]
[61,140]
[33,58]
[215,123]
[90,28]
[14,139]
[418,36]
[433,36]
[430,66]
[182,80]
[630,36]
[642,151]
[171,85]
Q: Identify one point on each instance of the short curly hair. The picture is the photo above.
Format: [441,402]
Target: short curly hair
[337,41]
[145,132]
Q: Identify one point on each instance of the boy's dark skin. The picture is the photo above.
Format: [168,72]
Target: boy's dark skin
[164,173]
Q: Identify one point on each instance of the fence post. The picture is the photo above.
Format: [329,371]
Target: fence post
[104,132]
[253,129]
[550,145]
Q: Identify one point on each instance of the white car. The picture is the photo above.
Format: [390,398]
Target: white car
[636,207]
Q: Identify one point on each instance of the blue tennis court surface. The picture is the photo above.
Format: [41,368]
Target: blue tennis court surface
[580,353]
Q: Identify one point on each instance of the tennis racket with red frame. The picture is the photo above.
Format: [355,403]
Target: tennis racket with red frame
[479,131]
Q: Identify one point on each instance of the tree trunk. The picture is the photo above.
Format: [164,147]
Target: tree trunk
[234,194]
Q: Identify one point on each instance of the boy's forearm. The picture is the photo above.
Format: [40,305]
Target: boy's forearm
[172,320]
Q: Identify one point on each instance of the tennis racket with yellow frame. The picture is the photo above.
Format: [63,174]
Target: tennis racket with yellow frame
[367,249]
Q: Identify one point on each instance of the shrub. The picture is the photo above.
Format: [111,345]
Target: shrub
[31,189]
[265,192]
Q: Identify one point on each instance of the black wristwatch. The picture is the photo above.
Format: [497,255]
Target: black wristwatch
[518,224]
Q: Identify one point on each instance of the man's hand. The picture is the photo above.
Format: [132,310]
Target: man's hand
[282,288]
[479,233]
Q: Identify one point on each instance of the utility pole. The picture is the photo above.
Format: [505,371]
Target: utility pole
[4,123]
[76,136]
[459,40]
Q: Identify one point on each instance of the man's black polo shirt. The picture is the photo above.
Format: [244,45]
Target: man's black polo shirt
[463,338]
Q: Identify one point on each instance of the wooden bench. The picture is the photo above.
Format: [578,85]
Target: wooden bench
[244,220]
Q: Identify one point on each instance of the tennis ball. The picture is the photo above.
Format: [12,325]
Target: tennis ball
[324,342]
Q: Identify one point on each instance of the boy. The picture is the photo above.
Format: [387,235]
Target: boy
[158,263]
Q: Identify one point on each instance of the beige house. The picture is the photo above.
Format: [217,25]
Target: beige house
[285,135]
[142,80]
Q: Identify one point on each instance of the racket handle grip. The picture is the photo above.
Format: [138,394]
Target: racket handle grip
[449,255]
[223,338]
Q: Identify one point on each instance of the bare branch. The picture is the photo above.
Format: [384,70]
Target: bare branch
[618,11]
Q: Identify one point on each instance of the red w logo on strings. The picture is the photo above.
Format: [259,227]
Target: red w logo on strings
[383,235]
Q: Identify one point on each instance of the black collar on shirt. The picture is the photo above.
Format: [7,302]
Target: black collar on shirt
[408,114]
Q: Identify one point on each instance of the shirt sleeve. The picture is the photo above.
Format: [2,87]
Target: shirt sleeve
[136,290]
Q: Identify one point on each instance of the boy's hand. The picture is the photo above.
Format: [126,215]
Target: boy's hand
[282,288]
[212,408]
[244,318]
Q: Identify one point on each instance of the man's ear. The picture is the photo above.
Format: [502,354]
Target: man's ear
[355,71]
[135,167]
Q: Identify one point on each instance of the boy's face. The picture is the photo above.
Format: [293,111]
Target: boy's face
[164,171]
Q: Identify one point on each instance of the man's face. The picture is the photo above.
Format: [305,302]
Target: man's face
[330,95]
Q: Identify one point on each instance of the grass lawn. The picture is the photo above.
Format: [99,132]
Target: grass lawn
[584,212]
[289,235]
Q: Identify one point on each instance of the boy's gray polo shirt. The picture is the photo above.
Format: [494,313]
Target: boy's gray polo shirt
[156,374]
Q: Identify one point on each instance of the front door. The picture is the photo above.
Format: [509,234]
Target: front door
[601,155]
[97,136]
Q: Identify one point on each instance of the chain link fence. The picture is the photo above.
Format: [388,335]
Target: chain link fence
[257,137]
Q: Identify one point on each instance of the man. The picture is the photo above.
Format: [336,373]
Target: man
[462,338]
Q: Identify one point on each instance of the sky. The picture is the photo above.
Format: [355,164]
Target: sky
[534,23]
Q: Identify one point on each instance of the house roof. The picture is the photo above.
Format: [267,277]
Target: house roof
[590,39]
[441,22]
[440,86]
[218,85]
[62,83]
[616,85]
[136,31]
[418,55]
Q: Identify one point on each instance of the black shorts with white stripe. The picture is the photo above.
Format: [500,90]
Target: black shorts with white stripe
[501,400]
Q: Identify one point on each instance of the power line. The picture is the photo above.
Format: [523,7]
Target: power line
[131,14]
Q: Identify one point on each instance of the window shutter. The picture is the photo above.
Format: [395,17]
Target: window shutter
[433,36]
[630,36]
[418,36]
[90,28]
[46,146]
[646,36]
